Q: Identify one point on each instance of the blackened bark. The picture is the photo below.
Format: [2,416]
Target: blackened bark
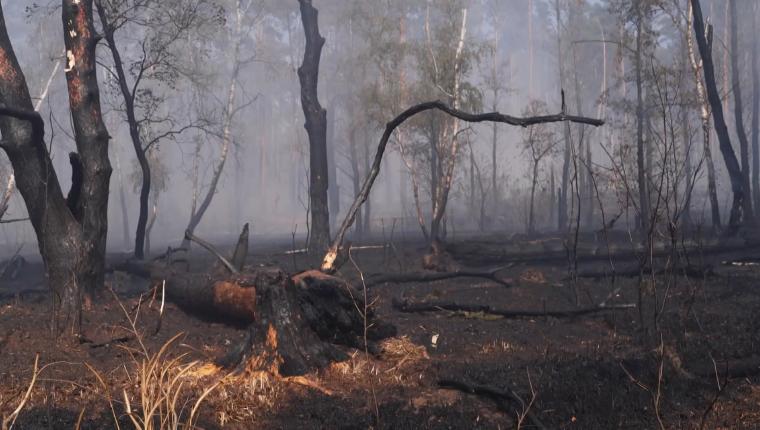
[134,130]
[738,112]
[732,164]
[316,127]
[91,136]
[59,236]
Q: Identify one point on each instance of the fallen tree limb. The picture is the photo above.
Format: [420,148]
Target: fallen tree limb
[480,255]
[402,278]
[329,261]
[690,271]
[437,306]
[498,396]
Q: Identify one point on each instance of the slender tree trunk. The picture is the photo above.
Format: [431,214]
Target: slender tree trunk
[229,114]
[355,176]
[123,203]
[738,113]
[531,214]
[368,207]
[134,130]
[732,164]
[332,188]
[151,222]
[562,207]
[640,118]
[552,197]
[755,113]
[704,115]
[316,127]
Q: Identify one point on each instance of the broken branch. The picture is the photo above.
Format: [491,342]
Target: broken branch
[328,263]
[413,307]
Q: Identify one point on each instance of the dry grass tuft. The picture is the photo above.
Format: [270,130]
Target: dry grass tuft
[402,349]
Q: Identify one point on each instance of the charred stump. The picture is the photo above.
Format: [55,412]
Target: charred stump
[296,323]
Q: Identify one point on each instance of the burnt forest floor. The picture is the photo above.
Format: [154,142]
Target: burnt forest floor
[610,370]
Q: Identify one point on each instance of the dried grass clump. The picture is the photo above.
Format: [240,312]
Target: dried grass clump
[401,350]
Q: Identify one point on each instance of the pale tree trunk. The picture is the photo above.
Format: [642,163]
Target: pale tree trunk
[533,183]
[151,222]
[446,175]
[6,198]
[353,158]
[122,202]
[562,216]
[640,155]
[704,115]
[229,115]
[739,114]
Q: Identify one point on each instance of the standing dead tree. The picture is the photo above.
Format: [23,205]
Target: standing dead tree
[316,127]
[732,164]
[329,261]
[71,232]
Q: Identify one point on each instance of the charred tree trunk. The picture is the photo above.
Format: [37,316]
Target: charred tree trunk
[316,127]
[71,255]
[739,114]
[732,164]
[134,130]
[296,323]
[91,137]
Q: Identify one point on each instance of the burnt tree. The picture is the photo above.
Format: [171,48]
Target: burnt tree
[70,234]
[732,164]
[316,127]
[741,132]
[91,135]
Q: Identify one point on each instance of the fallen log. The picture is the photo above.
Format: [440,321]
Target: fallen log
[296,323]
[475,255]
[401,278]
[437,306]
